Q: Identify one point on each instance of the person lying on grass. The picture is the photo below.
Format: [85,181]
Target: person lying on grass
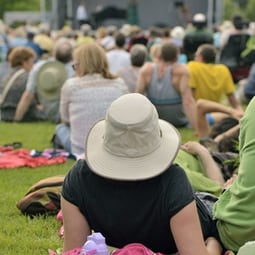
[129,190]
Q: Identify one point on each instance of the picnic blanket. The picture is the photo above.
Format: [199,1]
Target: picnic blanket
[14,158]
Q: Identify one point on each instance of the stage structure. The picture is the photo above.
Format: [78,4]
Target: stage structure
[145,13]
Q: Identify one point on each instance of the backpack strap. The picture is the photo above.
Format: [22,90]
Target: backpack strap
[9,84]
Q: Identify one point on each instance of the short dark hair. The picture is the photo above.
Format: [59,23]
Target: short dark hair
[169,52]
[138,55]
[222,126]
[238,21]
[155,32]
[120,40]
[208,53]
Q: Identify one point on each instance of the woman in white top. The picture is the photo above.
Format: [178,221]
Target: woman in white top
[85,98]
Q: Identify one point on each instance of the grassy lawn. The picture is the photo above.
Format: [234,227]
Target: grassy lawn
[20,234]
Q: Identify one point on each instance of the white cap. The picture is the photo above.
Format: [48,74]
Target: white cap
[178,32]
[199,17]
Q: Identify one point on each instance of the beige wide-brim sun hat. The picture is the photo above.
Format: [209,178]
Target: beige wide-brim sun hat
[50,79]
[131,143]
[247,249]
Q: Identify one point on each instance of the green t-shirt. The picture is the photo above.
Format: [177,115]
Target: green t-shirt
[196,173]
[235,209]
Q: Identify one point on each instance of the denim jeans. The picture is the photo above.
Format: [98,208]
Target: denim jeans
[63,134]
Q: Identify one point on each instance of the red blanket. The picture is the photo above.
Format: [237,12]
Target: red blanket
[10,158]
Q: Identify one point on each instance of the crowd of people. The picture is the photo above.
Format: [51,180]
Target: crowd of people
[118,98]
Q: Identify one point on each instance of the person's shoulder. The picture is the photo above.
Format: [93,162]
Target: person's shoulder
[174,173]
[180,68]
[79,167]
[118,80]
[120,84]
[222,68]
[193,63]
[70,82]
[112,52]
[147,67]
[189,32]
[39,64]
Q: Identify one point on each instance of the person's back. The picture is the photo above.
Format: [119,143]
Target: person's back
[35,46]
[129,190]
[166,98]
[157,206]
[118,57]
[166,85]
[85,98]
[237,27]
[50,78]
[138,56]
[45,81]
[209,80]
[196,36]
[87,104]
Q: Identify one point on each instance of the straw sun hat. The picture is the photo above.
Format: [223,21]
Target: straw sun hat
[50,79]
[131,143]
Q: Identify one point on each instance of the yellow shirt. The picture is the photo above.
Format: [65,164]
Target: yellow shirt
[84,39]
[210,81]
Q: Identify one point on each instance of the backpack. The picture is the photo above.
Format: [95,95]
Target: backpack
[43,197]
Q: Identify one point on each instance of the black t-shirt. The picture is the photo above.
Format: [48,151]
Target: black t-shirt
[133,211]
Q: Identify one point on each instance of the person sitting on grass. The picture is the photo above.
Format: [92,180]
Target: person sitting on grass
[166,84]
[128,189]
[219,112]
[13,85]
[85,98]
[214,159]
[209,80]
[234,211]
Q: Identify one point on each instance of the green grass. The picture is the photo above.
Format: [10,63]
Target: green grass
[20,234]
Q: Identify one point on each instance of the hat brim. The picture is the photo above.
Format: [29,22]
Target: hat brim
[49,87]
[115,167]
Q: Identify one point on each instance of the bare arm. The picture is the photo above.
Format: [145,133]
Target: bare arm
[75,225]
[187,233]
[212,170]
[207,106]
[64,104]
[23,105]
[226,134]
[188,100]
[234,102]
[143,78]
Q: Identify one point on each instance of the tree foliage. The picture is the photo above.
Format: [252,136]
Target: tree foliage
[245,8]
[249,10]
[21,5]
